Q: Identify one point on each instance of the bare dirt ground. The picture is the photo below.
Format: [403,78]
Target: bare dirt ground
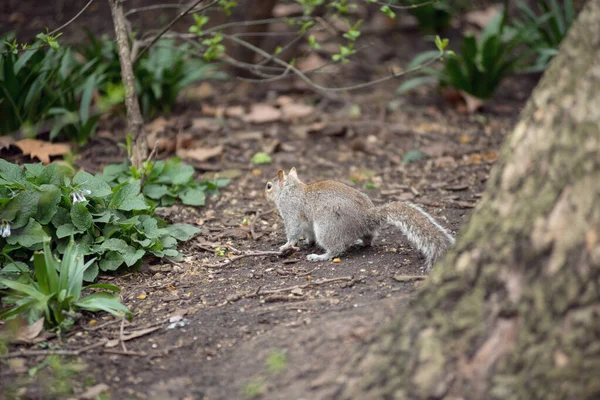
[268,326]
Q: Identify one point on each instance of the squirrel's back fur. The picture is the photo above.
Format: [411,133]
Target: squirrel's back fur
[336,216]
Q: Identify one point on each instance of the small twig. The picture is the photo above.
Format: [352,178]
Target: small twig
[95,328]
[148,161]
[121,335]
[305,286]
[152,7]
[409,278]
[324,89]
[235,258]
[33,353]
[126,353]
[170,24]
[257,217]
[396,7]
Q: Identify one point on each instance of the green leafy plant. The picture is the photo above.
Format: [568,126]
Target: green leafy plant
[115,226]
[55,290]
[47,86]
[166,181]
[480,66]
[547,28]
[160,73]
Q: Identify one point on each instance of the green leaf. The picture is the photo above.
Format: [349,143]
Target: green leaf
[81,217]
[412,156]
[127,197]
[24,206]
[155,191]
[48,203]
[194,196]
[132,256]
[11,172]
[97,186]
[261,158]
[105,286]
[31,235]
[66,230]
[111,261]
[114,244]
[91,273]
[61,217]
[103,302]
[14,267]
[182,232]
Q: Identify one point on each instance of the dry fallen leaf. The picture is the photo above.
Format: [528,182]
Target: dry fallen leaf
[262,113]
[42,150]
[6,142]
[482,18]
[235,112]
[94,391]
[206,124]
[296,111]
[200,153]
[473,103]
[27,333]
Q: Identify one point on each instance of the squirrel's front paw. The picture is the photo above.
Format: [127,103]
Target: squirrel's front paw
[288,247]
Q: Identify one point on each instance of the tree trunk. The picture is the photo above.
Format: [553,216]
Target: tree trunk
[513,311]
[135,122]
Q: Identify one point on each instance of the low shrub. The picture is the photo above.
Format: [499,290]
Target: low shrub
[54,292]
[114,226]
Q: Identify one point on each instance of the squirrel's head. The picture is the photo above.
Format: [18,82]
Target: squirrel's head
[275,185]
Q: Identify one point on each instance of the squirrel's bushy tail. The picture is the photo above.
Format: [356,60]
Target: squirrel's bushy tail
[421,229]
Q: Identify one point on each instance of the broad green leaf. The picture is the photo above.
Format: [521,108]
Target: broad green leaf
[182,232]
[31,235]
[91,273]
[14,267]
[48,203]
[66,230]
[24,206]
[103,302]
[11,172]
[61,217]
[105,286]
[155,191]
[97,186]
[115,245]
[132,256]
[127,197]
[80,216]
[193,196]
[111,261]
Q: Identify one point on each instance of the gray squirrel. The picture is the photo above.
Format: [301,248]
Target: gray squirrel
[336,216]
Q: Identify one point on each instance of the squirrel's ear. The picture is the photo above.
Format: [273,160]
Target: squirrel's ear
[293,173]
[281,176]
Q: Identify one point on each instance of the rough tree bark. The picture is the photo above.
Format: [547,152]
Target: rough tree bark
[135,122]
[513,312]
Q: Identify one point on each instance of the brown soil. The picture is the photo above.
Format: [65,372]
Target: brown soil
[234,341]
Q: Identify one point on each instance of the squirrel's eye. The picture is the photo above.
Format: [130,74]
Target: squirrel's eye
[269,186]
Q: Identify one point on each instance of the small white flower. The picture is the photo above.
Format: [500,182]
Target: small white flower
[86,192]
[5,230]
[81,197]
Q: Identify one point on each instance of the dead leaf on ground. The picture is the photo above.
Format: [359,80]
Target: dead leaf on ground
[94,391]
[42,150]
[473,103]
[184,140]
[27,333]
[235,112]
[311,62]
[295,111]
[154,130]
[200,153]
[284,100]
[481,18]
[206,124]
[6,142]
[262,113]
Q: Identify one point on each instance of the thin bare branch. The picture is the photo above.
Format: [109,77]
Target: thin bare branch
[170,24]
[321,88]
[152,7]
[396,7]
[63,26]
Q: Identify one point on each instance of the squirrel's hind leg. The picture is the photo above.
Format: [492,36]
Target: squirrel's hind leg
[319,257]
